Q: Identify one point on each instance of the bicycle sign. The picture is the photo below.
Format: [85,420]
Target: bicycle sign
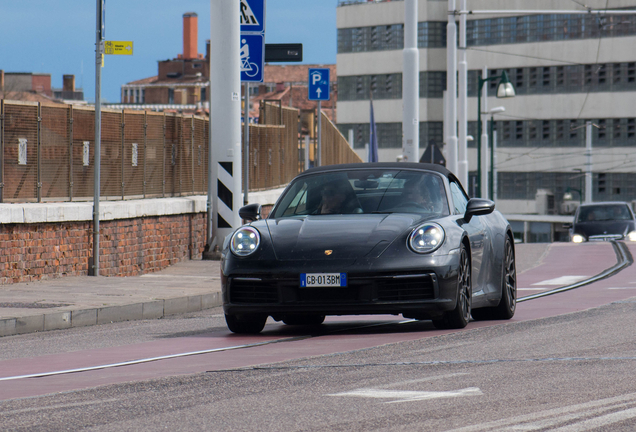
[252,56]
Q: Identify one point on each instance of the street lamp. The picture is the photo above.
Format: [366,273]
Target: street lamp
[505,89]
[491,137]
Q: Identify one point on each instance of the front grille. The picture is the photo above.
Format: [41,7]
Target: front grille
[382,288]
[406,289]
[606,237]
[253,290]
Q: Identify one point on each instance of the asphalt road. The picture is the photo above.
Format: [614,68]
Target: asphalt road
[569,373]
[565,362]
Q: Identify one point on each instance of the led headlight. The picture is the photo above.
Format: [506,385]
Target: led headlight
[245,241]
[578,238]
[426,238]
[632,236]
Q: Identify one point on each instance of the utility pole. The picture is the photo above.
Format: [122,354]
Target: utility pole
[410,85]
[99,38]
[588,162]
[451,87]
[224,188]
[462,109]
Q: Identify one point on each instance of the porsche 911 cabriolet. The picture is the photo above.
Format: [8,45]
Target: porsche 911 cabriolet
[372,238]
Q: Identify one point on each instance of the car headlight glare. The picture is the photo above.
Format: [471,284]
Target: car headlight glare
[577,238]
[632,236]
[245,241]
[426,238]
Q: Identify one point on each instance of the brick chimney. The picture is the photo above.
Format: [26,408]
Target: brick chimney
[68,84]
[190,29]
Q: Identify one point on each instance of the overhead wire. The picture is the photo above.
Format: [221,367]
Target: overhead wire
[625,163]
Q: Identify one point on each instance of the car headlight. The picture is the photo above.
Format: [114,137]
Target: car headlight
[578,238]
[245,241]
[426,238]
[632,236]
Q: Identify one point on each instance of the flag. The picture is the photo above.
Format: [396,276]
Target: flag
[373,136]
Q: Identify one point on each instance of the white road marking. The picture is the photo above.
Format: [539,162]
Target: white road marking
[562,280]
[415,381]
[580,417]
[408,395]
[622,288]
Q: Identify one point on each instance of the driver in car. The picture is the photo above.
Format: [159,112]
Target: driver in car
[417,193]
[337,197]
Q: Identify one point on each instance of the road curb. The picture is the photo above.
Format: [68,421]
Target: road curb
[154,309]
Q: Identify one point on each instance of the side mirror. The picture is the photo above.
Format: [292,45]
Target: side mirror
[478,207]
[567,225]
[250,212]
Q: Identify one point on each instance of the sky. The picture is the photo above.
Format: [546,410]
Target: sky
[58,36]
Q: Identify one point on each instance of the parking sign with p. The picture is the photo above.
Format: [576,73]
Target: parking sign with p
[319,84]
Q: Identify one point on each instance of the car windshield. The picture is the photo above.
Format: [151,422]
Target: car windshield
[605,212]
[365,192]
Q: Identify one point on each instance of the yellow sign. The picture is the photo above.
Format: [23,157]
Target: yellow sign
[118,47]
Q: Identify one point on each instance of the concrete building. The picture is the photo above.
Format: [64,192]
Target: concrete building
[36,87]
[181,83]
[567,69]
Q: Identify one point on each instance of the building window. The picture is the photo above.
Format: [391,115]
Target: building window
[170,95]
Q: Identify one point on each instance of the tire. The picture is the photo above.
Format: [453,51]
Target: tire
[245,324]
[508,303]
[460,316]
[304,319]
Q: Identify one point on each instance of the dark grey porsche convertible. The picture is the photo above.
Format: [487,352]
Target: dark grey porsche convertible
[373,238]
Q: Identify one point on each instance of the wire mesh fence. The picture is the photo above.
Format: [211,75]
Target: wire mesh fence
[47,153]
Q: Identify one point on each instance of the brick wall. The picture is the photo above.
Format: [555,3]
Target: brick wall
[128,247]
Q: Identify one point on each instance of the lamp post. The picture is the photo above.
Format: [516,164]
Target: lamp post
[505,89]
[491,182]
[580,190]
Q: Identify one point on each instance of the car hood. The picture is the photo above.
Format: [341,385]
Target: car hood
[348,237]
[603,228]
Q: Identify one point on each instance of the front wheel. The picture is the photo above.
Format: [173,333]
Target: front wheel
[246,323]
[460,316]
[508,303]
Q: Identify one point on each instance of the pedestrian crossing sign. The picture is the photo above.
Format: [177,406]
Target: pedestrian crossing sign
[252,16]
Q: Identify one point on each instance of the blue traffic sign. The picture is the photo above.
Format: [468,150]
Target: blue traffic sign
[252,17]
[319,84]
[252,58]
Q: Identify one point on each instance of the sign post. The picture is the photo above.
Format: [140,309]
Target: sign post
[252,53]
[99,40]
[319,91]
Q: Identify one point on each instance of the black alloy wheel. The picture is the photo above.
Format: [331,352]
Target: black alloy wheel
[460,316]
[245,324]
[508,304]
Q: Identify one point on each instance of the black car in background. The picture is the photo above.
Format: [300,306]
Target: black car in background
[372,238]
[603,221]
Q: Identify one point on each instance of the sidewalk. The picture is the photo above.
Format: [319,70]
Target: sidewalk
[80,301]
[188,286]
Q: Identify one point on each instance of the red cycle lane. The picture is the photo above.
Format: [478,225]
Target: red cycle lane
[338,334]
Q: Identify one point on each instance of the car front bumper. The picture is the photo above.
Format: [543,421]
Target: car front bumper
[424,287]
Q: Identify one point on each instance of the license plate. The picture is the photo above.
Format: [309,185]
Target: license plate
[323,280]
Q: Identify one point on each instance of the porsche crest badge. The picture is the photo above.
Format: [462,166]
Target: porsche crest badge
[328,252]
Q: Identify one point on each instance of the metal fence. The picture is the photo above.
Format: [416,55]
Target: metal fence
[47,152]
